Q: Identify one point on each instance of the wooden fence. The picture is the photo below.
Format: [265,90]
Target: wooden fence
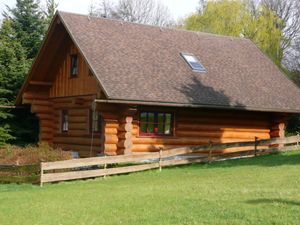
[99,166]
[20,174]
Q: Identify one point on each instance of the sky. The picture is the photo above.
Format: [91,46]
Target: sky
[178,8]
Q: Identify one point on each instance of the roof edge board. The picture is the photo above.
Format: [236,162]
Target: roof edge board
[194,105]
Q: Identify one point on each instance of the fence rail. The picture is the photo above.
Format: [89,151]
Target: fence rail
[90,167]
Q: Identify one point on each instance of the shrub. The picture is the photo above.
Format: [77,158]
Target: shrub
[13,155]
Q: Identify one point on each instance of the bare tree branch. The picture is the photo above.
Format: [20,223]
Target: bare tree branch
[139,11]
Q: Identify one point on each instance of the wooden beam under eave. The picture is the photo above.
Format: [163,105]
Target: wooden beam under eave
[40,83]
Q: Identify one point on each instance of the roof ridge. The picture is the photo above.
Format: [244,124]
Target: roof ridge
[154,26]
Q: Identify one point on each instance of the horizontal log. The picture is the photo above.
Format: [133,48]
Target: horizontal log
[222,134]
[77,140]
[45,102]
[108,130]
[39,96]
[41,109]
[88,98]
[111,139]
[217,114]
[75,163]
[113,115]
[135,132]
[46,123]
[111,124]
[46,129]
[228,127]
[73,133]
[78,126]
[78,119]
[222,114]
[43,116]
[77,112]
[95,173]
[183,141]
[110,147]
[72,106]
[45,137]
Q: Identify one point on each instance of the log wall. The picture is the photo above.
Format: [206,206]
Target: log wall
[121,126]
[197,127]
[79,137]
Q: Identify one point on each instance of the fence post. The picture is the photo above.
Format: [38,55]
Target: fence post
[41,175]
[298,139]
[255,146]
[210,151]
[105,167]
[160,159]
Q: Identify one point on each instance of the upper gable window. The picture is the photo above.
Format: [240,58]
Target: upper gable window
[193,62]
[74,65]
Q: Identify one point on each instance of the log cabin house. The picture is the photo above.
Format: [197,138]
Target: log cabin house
[107,86]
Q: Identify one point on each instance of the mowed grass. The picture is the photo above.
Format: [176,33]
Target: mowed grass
[263,190]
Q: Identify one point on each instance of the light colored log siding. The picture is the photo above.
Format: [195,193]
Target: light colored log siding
[197,127]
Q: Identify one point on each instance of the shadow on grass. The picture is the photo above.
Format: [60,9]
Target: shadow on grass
[273,201]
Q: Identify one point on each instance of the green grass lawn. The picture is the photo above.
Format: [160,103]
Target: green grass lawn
[263,190]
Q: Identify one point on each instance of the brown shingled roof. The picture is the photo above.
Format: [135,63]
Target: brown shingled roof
[142,63]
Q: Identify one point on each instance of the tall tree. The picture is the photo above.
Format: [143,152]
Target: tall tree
[13,66]
[139,11]
[21,34]
[29,25]
[49,12]
[289,12]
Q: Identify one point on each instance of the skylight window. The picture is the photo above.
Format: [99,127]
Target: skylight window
[193,62]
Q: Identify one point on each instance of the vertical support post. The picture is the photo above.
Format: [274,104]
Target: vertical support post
[105,167]
[125,135]
[298,139]
[255,146]
[41,175]
[160,158]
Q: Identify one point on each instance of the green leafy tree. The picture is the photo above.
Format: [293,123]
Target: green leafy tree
[234,18]
[49,12]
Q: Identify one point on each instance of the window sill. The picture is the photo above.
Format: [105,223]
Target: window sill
[157,136]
